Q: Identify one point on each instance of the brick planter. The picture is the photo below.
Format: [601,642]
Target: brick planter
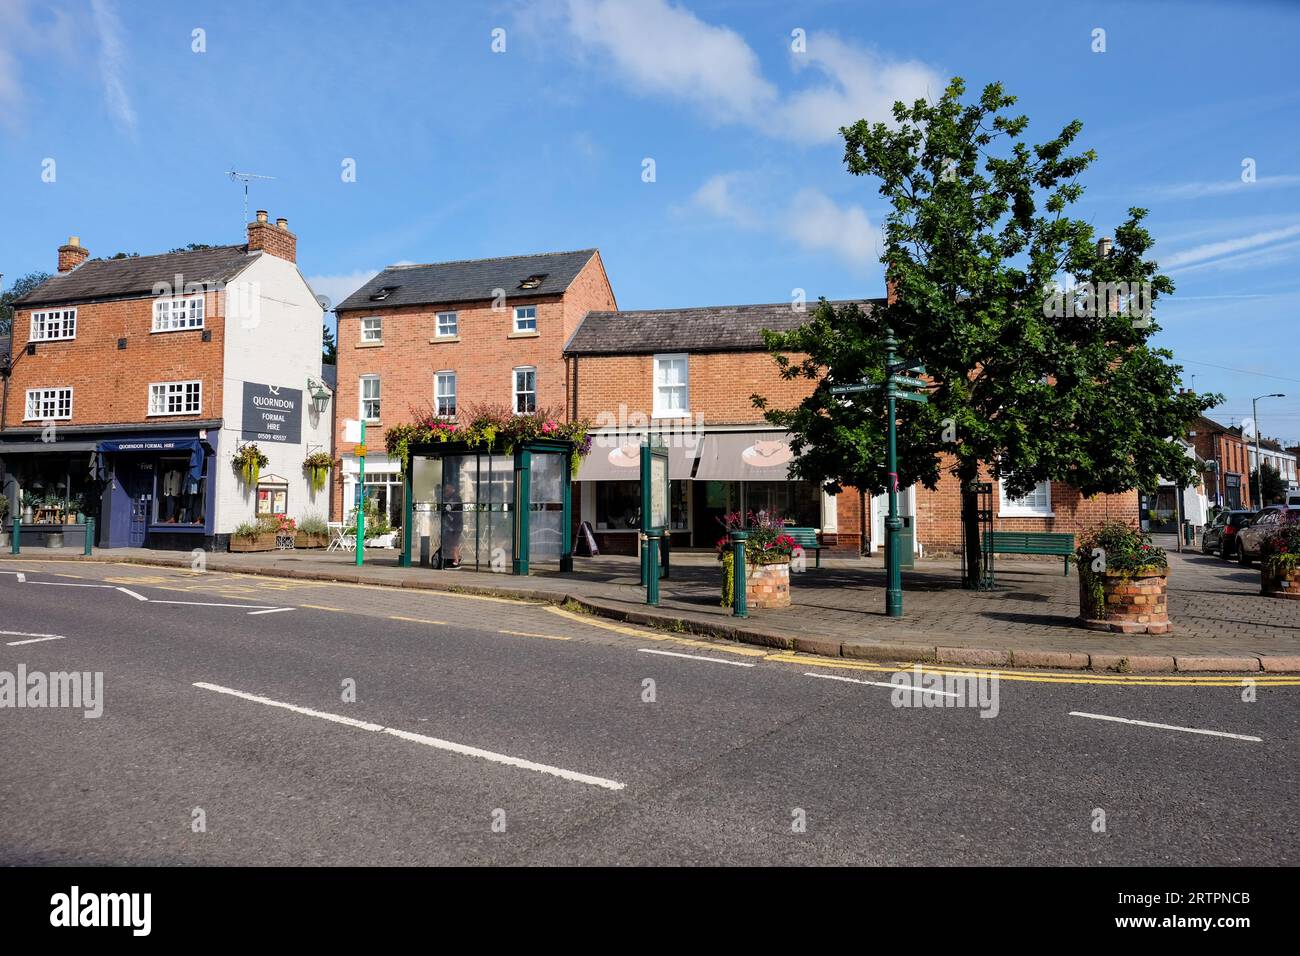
[767,585]
[1126,604]
[302,539]
[1284,585]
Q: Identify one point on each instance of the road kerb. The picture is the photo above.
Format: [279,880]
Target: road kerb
[666,620]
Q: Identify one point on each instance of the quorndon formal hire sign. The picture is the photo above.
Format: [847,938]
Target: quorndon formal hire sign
[272,413]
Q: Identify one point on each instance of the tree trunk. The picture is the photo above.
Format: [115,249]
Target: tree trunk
[970,528]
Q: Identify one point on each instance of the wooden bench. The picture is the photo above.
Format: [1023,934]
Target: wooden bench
[806,538]
[1031,542]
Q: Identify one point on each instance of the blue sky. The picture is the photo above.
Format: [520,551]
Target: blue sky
[462,152]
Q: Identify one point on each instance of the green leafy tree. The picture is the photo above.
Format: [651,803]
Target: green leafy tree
[329,347]
[1031,378]
[1271,483]
[20,288]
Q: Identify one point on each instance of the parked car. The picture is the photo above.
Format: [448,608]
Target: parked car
[1221,534]
[1269,520]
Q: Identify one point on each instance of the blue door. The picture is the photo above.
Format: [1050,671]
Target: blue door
[140,488]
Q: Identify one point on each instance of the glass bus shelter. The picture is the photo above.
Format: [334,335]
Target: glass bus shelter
[485,510]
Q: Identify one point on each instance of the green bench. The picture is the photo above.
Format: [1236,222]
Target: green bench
[806,538]
[1030,542]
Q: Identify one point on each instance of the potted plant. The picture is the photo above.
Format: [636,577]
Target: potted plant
[767,560]
[53,505]
[312,532]
[29,504]
[378,531]
[317,468]
[1123,582]
[258,535]
[1279,566]
[249,462]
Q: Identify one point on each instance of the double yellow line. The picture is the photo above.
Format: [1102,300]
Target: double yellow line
[1052,677]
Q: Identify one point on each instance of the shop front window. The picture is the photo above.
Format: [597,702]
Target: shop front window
[798,502]
[618,506]
[179,498]
[56,488]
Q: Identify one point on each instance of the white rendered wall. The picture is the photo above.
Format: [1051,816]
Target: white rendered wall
[273,337]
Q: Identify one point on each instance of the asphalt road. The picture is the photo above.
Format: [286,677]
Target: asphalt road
[494,732]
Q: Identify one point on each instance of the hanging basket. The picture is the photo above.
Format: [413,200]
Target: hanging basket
[317,467]
[249,462]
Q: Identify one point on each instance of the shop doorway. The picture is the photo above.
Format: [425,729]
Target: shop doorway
[139,487]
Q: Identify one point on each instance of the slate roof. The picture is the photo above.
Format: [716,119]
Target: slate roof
[469,280]
[719,328]
[124,278]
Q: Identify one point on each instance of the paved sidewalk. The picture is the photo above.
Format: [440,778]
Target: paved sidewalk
[1221,623]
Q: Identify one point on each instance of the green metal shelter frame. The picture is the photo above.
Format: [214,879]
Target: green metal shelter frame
[506,510]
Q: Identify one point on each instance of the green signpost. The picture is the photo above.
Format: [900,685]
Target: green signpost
[654,516]
[895,386]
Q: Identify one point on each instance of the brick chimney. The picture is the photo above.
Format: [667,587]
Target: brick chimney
[72,255]
[275,240]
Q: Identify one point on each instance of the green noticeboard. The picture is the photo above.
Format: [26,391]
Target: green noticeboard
[654,517]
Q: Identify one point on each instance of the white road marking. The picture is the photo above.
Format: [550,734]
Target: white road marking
[242,607]
[37,637]
[1147,723]
[694,657]
[138,597]
[69,584]
[270,610]
[876,683]
[435,742]
[22,578]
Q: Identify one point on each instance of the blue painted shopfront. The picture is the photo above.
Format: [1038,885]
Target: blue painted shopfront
[159,491]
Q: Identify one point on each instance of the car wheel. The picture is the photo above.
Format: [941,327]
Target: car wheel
[1224,553]
[1242,558]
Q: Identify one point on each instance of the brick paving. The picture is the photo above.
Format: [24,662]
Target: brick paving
[1030,619]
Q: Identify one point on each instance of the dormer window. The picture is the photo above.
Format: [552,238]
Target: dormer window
[533,281]
[384,293]
[171,315]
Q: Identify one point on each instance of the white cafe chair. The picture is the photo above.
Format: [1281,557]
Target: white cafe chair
[340,539]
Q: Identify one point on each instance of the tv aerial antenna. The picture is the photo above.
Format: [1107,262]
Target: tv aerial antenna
[245,178]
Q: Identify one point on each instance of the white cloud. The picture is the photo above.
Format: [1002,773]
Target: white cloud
[818,223]
[718,198]
[667,49]
[1199,190]
[662,48]
[112,63]
[1226,247]
[48,39]
[862,85]
[1253,259]
[339,287]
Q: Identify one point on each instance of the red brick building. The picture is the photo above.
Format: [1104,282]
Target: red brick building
[1227,479]
[688,374]
[447,336]
[131,386]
